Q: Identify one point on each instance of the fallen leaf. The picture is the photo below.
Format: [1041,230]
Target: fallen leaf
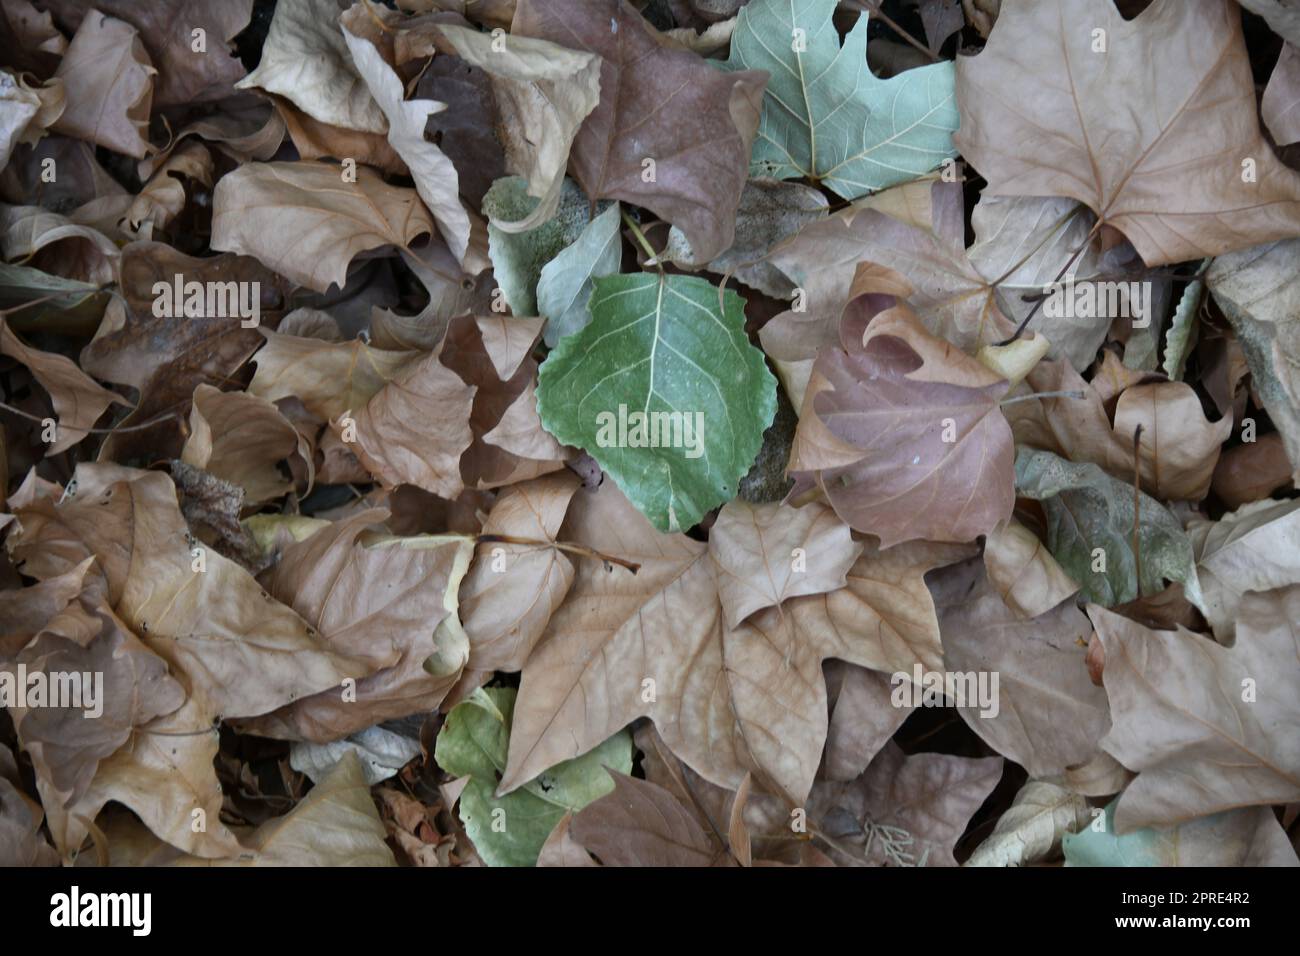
[1138,171]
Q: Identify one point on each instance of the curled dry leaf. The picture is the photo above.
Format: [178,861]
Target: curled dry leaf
[108,81]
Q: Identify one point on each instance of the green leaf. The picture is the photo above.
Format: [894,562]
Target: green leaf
[1244,837]
[518,257]
[826,117]
[566,280]
[1182,332]
[1090,530]
[510,830]
[664,390]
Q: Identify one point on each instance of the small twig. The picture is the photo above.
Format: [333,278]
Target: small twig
[583,550]
[643,242]
[871,7]
[92,431]
[1065,268]
[1074,393]
[1137,505]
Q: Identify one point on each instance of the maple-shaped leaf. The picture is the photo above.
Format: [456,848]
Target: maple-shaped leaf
[1186,708]
[664,390]
[726,700]
[1090,530]
[509,830]
[903,433]
[826,117]
[1186,176]
[670,134]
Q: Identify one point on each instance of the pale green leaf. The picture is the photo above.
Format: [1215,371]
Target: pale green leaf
[518,257]
[1182,331]
[1247,837]
[567,280]
[1090,530]
[826,117]
[663,359]
[510,830]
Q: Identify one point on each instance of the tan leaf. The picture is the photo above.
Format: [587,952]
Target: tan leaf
[435,176]
[1045,713]
[1032,828]
[726,701]
[1023,571]
[1169,177]
[419,623]
[78,399]
[1179,446]
[329,221]
[543,92]
[764,554]
[1185,708]
[414,430]
[1255,548]
[108,80]
[330,378]
[512,590]
[130,688]
[305,59]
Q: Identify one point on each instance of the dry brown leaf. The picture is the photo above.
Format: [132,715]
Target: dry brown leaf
[695,123]
[656,644]
[1023,571]
[108,80]
[1168,176]
[330,220]
[78,399]
[1185,708]
[512,590]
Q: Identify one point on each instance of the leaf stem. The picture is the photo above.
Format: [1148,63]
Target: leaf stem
[579,549]
[642,240]
[873,9]
[1073,393]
